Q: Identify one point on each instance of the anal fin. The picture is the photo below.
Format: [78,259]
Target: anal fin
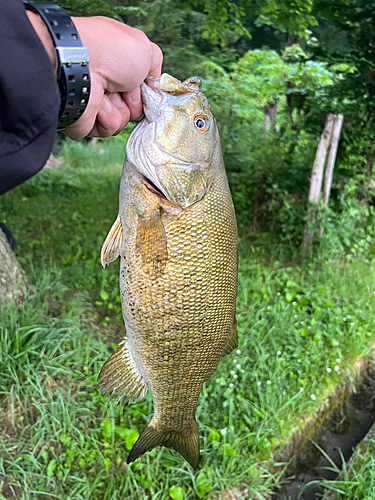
[185,442]
[120,376]
[112,244]
[232,341]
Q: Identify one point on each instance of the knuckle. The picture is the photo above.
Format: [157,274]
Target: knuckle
[124,119]
[116,123]
[157,52]
[140,37]
[111,124]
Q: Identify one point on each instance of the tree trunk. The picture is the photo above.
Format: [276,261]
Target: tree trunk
[13,280]
[331,162]
[270,115]
[317,178]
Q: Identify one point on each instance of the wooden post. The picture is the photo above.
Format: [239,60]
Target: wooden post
[331,162]
[317,177]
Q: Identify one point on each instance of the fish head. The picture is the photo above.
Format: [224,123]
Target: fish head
[173,145]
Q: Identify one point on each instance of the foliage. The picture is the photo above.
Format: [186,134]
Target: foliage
[306,74]
[220,19]
[98,8]
[268,170]
[323,73]
[177,31]
[299,326]
[292,17]
[345,41]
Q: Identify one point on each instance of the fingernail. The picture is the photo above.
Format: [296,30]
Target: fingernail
[135,96]
[116,100]
[106,105]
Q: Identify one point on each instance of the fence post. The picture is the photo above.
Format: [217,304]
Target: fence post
[331,163]
[317,178]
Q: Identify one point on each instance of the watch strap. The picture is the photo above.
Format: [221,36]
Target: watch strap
[73,73]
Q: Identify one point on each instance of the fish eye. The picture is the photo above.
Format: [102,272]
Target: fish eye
[201,123]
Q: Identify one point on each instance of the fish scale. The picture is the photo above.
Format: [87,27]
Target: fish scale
[178,279]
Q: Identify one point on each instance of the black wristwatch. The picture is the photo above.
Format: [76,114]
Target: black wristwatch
[73,71]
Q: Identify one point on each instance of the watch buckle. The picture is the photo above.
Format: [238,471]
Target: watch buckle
[73,55]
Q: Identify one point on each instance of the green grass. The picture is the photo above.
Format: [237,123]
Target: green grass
[61,217]
[299,329]
[356,481]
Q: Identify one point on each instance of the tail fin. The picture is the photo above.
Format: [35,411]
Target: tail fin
[186,443]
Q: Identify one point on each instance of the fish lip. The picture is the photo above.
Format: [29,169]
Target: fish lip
[152,98]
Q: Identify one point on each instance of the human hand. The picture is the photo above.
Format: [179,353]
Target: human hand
[121,58]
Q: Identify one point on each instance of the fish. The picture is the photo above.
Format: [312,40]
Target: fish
[176,236]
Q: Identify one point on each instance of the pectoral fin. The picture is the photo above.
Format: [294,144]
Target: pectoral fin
[151,244]
[112,244]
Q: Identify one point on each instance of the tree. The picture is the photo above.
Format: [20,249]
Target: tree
[284,15]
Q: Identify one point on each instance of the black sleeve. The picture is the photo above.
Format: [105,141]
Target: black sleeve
[29,98]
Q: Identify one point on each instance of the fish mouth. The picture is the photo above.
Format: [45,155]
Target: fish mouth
[152,98]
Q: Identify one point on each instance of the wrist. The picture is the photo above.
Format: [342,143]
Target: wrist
[90,30]
[44,36]
[69,58]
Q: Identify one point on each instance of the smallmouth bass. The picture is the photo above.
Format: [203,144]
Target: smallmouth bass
[176,236]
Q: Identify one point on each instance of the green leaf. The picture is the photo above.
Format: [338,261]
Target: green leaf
[228,450]
[176,493]
[202,485]
[108,427]
[147,483]
[65,439]
[104,295]
[107,462]
[51,467]
[289,296]
[131,438]
[214,435]
[122,432]
[291,284]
